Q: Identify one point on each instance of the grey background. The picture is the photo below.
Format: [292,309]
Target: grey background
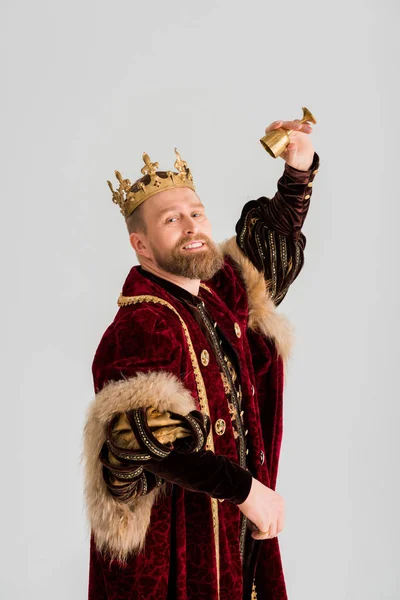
[87,87]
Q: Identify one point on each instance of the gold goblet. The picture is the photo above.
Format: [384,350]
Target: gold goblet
[277,140]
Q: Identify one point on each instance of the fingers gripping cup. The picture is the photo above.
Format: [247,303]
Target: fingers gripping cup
[275,142]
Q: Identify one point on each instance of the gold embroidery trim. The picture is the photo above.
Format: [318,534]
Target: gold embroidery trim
[273,259]
[283,247]
[254,592]
[201,392]
[203,285]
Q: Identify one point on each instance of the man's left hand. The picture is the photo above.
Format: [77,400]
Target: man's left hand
[300,152]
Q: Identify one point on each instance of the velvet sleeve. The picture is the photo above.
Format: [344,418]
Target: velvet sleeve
[269,230]
[145,447]
[206,472]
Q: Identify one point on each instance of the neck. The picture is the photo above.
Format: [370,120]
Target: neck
[190,285]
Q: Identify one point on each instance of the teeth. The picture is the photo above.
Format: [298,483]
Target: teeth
[194,245]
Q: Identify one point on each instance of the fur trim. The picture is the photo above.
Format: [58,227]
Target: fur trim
[263,316]
[120,528]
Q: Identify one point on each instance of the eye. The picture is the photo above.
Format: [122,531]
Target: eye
[171,219]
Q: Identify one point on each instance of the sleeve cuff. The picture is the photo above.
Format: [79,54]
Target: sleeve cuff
[298,175]
[244,487]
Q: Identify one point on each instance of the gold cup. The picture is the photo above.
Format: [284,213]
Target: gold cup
[277,140]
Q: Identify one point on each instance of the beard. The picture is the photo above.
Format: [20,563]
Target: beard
[202,264]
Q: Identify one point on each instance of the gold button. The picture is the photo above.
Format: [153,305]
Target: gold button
[220,427]
[262,457]
[205,358]
[307,197]
[237,330]
[309,184]
[315,172]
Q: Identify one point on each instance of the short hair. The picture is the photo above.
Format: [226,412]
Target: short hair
[135,222]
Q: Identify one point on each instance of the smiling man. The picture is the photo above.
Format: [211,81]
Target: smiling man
[183,437]
[175,242]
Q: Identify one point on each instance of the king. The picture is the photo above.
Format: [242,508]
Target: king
[183,435]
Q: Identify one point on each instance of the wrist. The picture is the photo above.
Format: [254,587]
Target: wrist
[303,166]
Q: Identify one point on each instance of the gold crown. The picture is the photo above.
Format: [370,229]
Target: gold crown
[129,197]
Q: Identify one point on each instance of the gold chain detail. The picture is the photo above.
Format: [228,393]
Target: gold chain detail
[201,392]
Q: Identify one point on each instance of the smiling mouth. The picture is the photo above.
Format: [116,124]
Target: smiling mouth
[194,246]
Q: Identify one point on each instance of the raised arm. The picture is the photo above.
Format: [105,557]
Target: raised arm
[269,230]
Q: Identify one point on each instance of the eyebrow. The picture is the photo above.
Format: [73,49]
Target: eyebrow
[172,208]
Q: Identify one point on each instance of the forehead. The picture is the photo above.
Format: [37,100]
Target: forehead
[174,199]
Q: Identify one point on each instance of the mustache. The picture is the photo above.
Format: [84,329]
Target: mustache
[195,238]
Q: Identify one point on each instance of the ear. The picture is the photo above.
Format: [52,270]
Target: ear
[139,244]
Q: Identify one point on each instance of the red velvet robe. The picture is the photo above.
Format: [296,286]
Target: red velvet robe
[148,336]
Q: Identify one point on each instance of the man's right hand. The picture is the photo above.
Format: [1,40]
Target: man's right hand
[265,508]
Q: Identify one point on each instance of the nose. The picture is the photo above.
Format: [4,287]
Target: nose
[190,226]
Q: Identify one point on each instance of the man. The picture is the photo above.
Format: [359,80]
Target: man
[182,440]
